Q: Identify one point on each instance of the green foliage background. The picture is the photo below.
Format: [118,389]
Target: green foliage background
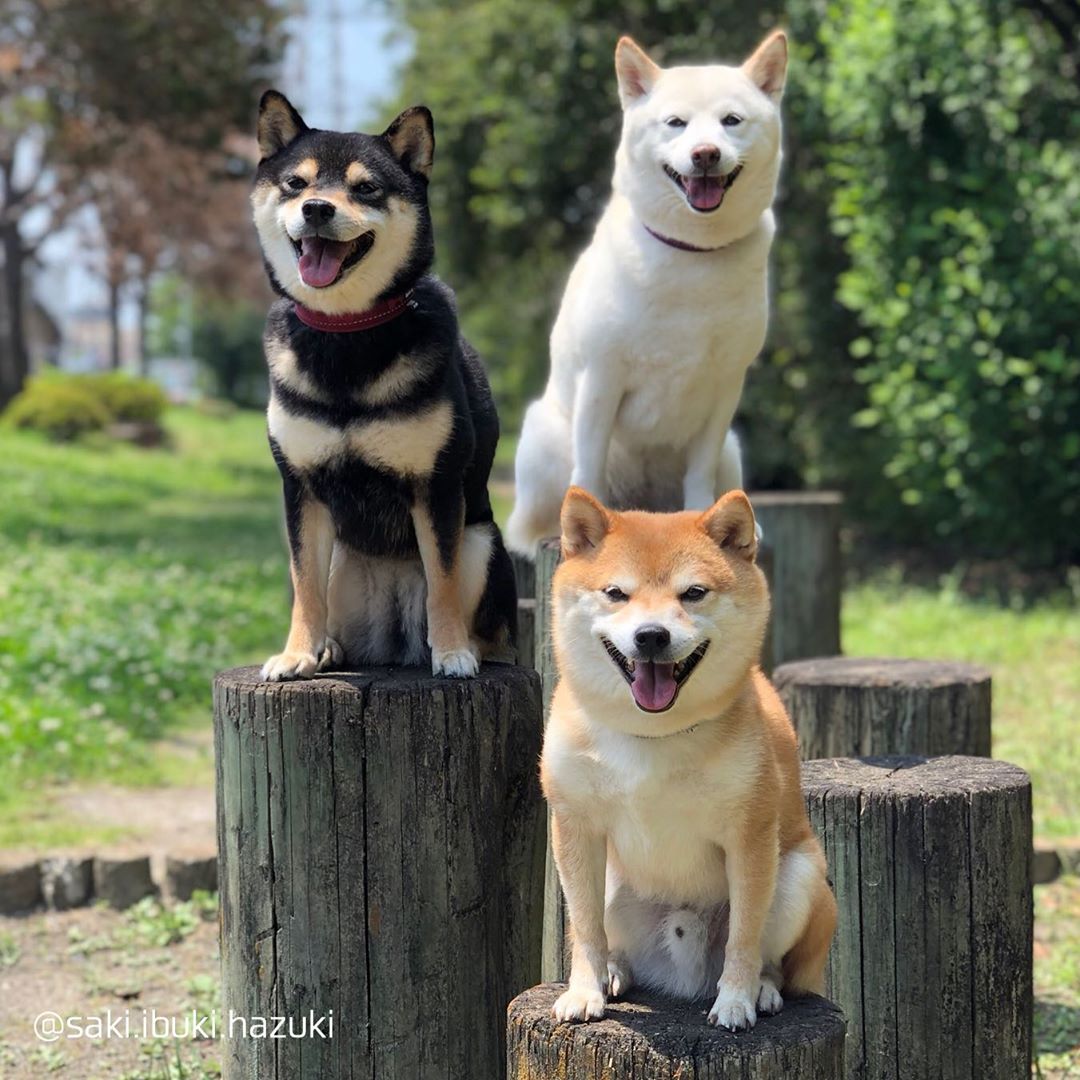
[922,353]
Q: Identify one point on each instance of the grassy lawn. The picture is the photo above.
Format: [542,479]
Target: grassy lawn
[127,577]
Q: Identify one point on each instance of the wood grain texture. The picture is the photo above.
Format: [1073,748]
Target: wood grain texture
[381,846]
[526,631]
[651,1038]
[930,863]
[801,533]
[853,707]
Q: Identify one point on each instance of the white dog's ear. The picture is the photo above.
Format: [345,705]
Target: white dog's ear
[412,139]
[585,522]
[279,124]
[637,73]
[731,524]
[767,67]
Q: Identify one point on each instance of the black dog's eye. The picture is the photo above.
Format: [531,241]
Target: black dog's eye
[675,121]
[615,594]
[296,183]
[731,120]
[694,593]
[366,187]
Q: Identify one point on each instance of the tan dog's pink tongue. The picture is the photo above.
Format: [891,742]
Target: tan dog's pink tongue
[321,259]
[654,685]
[704,192]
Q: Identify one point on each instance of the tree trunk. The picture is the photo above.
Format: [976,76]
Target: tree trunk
[381,853]
[930,863]
[143,301]
[846,707]
[653,1038]
[14,355]
[114,324]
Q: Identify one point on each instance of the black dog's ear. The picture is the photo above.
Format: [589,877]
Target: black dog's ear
[279,124]
[412,139]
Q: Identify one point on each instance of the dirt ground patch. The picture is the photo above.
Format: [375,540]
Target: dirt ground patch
[94,963]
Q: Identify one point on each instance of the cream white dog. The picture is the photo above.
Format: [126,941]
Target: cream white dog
[667,307]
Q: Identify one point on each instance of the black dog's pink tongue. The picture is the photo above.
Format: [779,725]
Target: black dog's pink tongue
[654,685]
[705,192]
[321,259]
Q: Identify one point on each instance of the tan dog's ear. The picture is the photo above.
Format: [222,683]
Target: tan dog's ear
[279,124]
[731,524]
[585,522]
[412,140]
[767,66]
[637,73]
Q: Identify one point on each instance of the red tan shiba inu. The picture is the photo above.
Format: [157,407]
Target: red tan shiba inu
[672,770]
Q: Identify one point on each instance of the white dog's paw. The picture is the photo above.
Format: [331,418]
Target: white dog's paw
[332,655]
[733,1008]
[290,665]
[457,663]
[619,977]
[577,1004]
[769,999]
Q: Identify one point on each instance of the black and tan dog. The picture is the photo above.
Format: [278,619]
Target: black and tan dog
[381,419]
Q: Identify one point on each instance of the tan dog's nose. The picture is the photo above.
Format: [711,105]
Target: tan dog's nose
[705,155]
[652,639]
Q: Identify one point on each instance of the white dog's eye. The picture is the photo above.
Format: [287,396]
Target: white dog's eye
[695,593]
[675,121]
[615,594]
[731,120]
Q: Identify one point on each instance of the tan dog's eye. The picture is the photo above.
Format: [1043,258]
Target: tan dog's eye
[694,593]
[615,594]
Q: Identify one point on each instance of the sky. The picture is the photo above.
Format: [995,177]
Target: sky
[339,66]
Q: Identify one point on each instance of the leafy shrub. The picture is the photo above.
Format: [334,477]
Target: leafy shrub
[127,398]
[65,406]
[61,408]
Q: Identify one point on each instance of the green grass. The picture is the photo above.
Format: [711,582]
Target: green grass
[127,577]
[1034,656]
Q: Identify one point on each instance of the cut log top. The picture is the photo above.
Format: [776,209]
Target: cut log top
[653,1038]
[795,498]
[851,671]
[406,680]
[910,776]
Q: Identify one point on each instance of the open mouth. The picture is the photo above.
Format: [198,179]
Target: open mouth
[704,193]
[655,684]
[322,261]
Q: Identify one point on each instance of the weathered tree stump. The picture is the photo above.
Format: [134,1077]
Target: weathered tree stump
[651,1038]
[930,863]
[848,707]
[526,631]
[802,532]
[381,845]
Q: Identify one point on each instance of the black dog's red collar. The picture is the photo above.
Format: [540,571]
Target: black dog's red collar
[681,245]
[352,321]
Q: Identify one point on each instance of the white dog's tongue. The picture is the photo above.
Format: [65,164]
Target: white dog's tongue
[654,685]
[705,192]
[321,259]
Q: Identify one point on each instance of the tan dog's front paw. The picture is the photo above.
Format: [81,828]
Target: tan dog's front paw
[457,663]
[578,1004]
[733,1008]
[769,999]
[290,665]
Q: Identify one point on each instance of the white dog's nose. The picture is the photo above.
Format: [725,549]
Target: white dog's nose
[705,155]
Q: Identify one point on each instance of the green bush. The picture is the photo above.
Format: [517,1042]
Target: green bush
[127,398]
[65,406]
[61,408]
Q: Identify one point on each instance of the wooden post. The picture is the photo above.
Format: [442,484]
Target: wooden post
[653,1038]
[381,846]
[930,863]
[848,707]
[802,531]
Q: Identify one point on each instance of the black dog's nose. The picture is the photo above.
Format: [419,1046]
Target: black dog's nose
[652,639]
[318,211]
[705,155]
